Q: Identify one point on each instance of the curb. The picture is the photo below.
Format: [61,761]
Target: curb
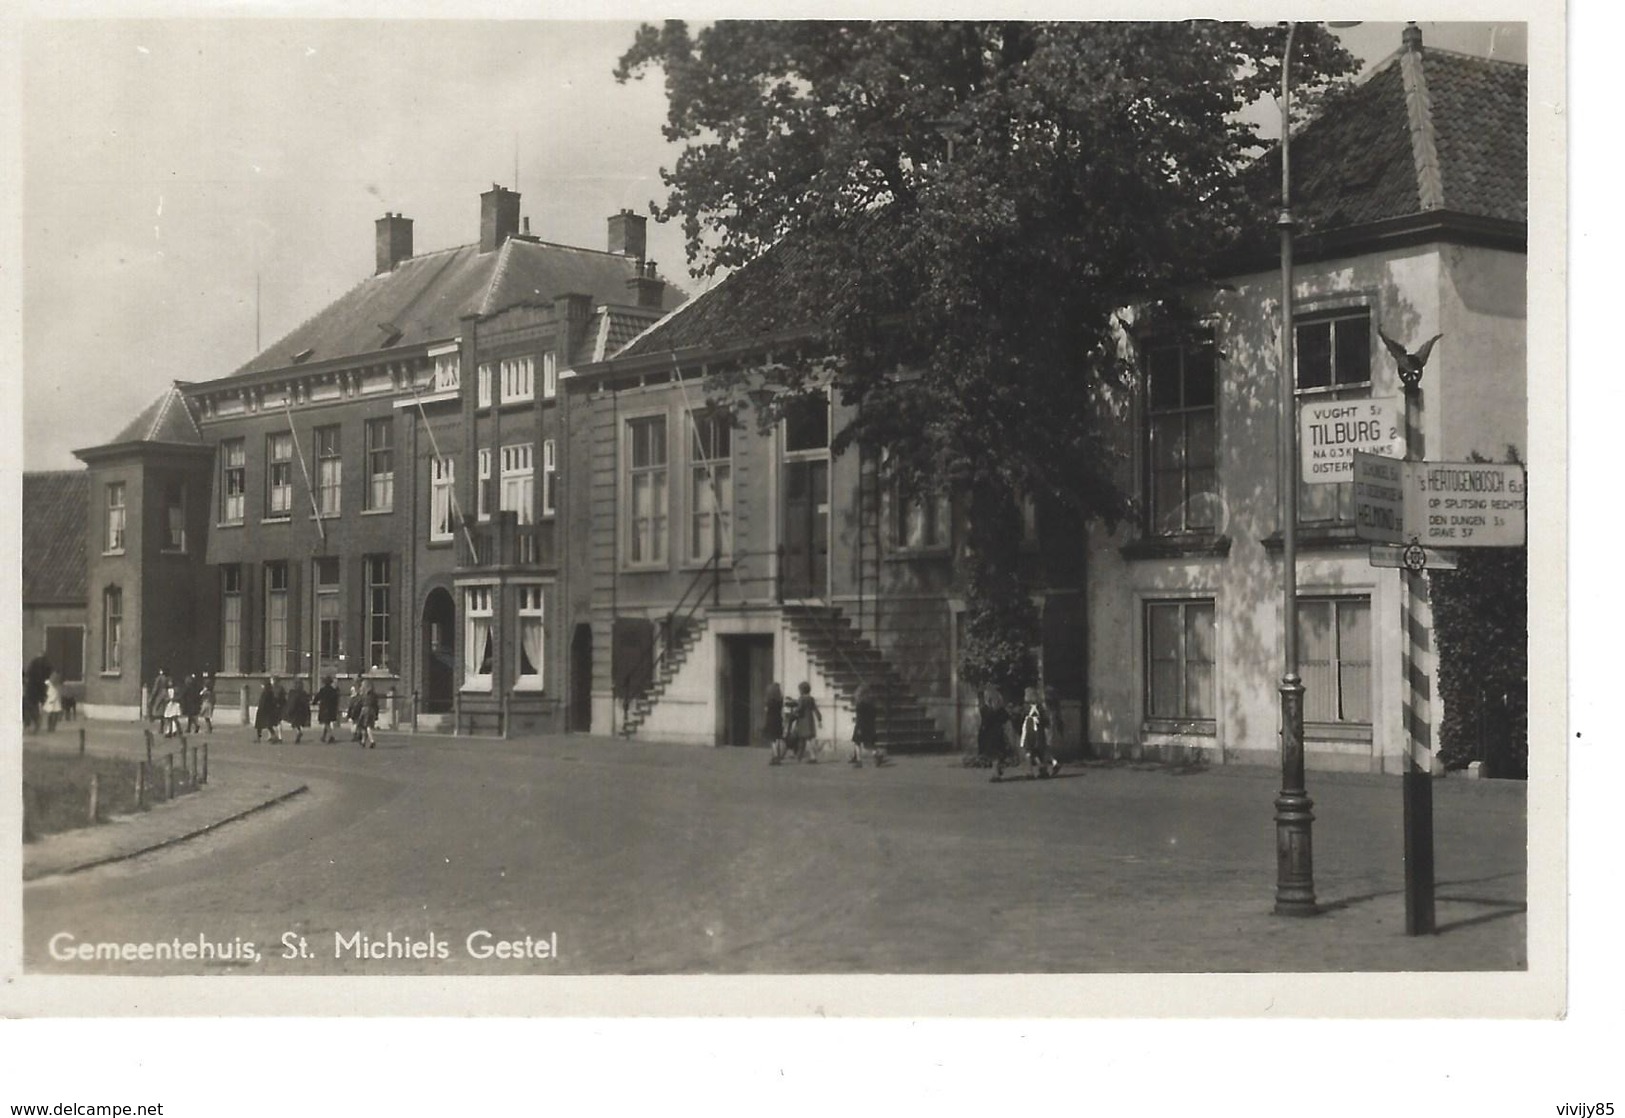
[150,847]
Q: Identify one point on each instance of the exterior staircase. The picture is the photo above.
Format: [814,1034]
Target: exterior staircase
[847,660]
[666,669]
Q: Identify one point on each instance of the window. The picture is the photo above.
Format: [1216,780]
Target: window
[443,476]
[1334,642]
[531,633]
[112,630]
[329,624]
[114,541]
[329,471]
[378,611]
[276,617]
[482,494]
[1181,437]
[646,490]
[479,644]
[233,480]
[447,372]
[923,523]
[380,465]
[518,482]
[65,647]
[710,487]
[550,376]
[1180,646]
[806,425]
[231,619]
[483,387]
[1333,355]
[518,378]
[550,479]
[174,516]
[279,475]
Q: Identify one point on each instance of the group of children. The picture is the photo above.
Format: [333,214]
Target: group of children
[1040,726]
[293,707]
[792,726]
[192,703]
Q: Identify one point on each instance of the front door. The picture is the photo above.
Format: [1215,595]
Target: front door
[439,621]
[806,527]
[747,671]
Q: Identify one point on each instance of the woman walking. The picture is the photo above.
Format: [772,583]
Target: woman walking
[369,718]
[172,713]
[190,691]
[807,722]
[53,700]
[269,712]
[773,722]
[299,710]
[327,708]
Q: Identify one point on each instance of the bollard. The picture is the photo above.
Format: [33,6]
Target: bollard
[242,701]
[205,762]
[140,784]
[394,714]
[169,776]
[95,791]
[149,745]
[81,741]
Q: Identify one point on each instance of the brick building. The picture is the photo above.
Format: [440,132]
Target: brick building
[376,494]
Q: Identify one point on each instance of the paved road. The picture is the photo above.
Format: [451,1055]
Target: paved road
[638,858]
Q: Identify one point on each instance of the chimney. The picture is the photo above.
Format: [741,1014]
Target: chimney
[628,234]
[499,217]
[394,239]
[1411,37]
[573,311]
[647,288]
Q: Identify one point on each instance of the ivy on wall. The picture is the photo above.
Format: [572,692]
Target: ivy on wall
[1481,628]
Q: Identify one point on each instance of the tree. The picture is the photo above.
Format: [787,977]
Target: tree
[969,206]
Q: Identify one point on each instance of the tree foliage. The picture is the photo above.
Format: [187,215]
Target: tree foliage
[970,205]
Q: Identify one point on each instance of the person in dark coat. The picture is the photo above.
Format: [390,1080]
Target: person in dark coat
[773,722]
[993,726]
[34,680]
[327,707]
[269,712]
[298,710]
[191,702]
[864,728]
[158,696]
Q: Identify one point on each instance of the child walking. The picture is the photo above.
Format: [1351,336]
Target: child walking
[864,736]
[172,713]
[773,722]
[1035,730]
[807,722]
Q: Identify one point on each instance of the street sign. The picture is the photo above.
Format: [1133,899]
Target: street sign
[1465,504]
[1413,557]
[1379,498]
[1331,432]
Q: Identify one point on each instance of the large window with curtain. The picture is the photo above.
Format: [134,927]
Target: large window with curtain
[276,617]
[532,635]
[1334,657]
[1181,437]
[231,619]
[711,486]
[646,526]
[112,630]
[479,638]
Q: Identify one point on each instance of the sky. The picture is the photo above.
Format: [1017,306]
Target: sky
[190,185]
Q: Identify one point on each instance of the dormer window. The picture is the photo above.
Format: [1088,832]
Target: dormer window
[447,372]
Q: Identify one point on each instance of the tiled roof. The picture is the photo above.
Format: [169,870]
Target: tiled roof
[1428,130]
[168,419]
[424,297]
[749,303]
[1481,127]
[55,505]
[608,331]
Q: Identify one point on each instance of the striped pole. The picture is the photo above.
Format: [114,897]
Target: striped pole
[1418,716]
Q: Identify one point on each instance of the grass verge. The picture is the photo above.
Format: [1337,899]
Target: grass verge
[57,790]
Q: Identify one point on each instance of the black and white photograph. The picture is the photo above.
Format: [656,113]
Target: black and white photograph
[1064,508]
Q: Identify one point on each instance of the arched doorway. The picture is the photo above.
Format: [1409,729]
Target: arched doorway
[439,647]
[581,679]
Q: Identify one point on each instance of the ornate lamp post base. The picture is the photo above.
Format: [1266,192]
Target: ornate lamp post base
[1294,849]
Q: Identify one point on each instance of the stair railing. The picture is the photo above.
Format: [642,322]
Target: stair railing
[670,626]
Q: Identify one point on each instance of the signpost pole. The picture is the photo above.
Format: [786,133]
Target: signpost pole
[1418,776]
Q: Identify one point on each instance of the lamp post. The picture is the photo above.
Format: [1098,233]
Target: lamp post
[1294,817]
